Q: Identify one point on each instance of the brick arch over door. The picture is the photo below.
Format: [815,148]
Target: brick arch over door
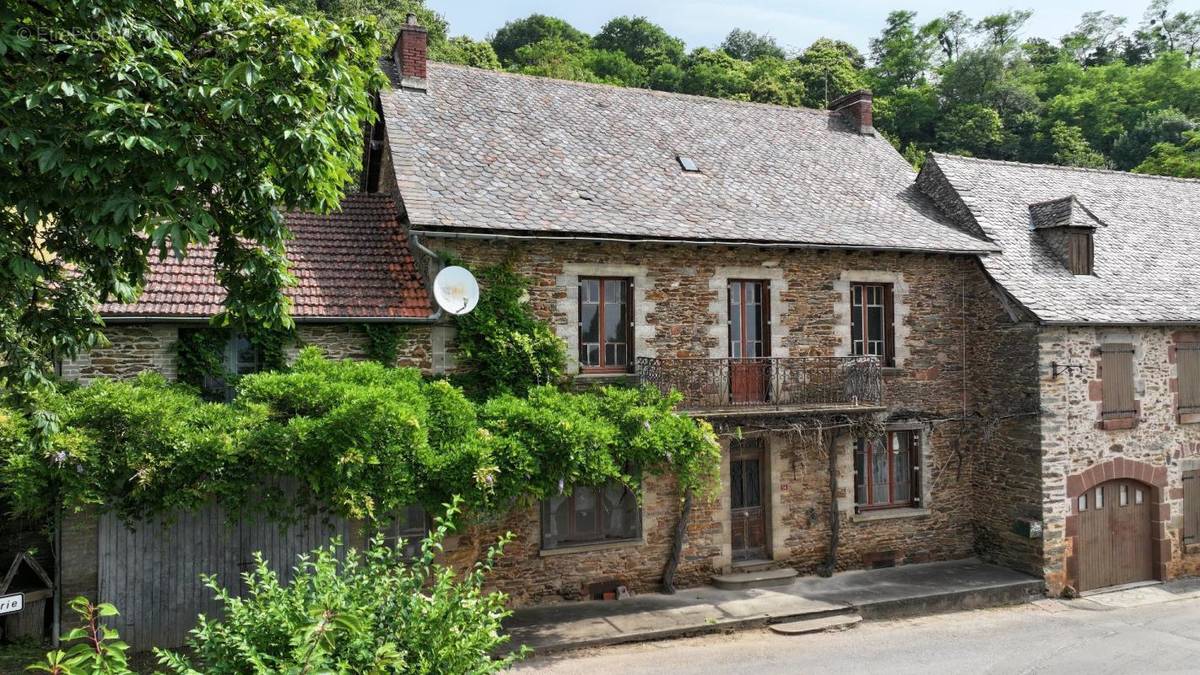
[1154,477]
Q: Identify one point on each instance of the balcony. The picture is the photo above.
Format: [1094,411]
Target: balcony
[738,386]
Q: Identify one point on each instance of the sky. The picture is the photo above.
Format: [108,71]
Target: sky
[794,24]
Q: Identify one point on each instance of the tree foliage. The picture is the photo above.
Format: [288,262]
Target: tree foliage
[132,129]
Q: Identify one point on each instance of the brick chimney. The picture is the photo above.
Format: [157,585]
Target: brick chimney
[855,108]
[411,53]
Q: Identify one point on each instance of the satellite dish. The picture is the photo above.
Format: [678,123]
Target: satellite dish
[456,290]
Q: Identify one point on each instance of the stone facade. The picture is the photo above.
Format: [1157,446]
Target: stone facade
[948,363]
[137,347]
[1079,453]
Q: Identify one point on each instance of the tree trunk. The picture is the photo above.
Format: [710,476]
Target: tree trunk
[677,547]
[826,569]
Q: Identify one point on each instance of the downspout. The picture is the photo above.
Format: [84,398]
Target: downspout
[436,261]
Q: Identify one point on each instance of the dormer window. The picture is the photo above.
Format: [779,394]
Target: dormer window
[1067,228]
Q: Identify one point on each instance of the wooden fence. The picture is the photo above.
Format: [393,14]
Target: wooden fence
[151,571]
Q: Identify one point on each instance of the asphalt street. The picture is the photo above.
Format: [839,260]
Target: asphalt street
[1046,637]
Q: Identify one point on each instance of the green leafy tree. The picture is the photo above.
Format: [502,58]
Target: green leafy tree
[775,80]
[1165,30]
[388,15]
[1175,159]
[465,51]
[557,58]
[1133,146]
[829,69]
[1097,39]
[615,68]
[644,42]
[971,129]
[717,74]
[132,128]
[1001,30]
[951,32]
[1070,148]
[533,29]
[746,45]
[902,54]
[909,114]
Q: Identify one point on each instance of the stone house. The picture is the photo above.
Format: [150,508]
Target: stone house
[779,267]
[1099,276]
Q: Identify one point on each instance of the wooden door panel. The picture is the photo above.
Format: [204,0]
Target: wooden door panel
[747,513]
[1113,545]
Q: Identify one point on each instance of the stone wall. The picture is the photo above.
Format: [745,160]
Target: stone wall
[945,313]
[1078,452]
[135,348]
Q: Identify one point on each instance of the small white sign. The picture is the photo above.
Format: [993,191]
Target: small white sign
[10,604]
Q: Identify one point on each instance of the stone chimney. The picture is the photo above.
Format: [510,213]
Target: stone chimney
[855,108]
[410,53]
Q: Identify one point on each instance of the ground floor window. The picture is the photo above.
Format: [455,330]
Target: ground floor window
[406,531]
[887,471]
[590,515]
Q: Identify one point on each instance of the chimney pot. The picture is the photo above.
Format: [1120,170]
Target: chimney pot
[856,108]
[410,53]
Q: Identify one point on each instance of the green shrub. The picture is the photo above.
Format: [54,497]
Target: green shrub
[342,612]
[355,438]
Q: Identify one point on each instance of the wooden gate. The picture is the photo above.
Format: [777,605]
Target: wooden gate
[747,514]
[1114,541]
[151,572]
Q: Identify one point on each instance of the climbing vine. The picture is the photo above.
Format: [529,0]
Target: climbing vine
[363,439]
[200,352]
[383,341]
[504,347]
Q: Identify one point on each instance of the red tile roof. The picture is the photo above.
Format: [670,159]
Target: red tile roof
[354,263]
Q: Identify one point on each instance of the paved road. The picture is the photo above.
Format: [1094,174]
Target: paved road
[1046,637]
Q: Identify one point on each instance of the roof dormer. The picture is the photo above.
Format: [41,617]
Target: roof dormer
[1066,228]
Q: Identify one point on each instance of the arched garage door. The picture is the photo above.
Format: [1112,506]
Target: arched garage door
[1114,541]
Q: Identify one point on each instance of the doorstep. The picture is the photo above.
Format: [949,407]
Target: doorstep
[906,590]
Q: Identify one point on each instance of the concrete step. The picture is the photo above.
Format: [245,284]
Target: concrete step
[740,566]
[818,625]
[739,581]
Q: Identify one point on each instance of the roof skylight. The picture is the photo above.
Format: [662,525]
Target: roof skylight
[688,164]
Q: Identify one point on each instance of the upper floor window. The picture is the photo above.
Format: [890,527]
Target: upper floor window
[1116,378]
[590,515]
[871,331]
[887,471]
[1187,360]
[605,324]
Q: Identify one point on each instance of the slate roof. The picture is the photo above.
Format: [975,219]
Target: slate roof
[353,263]
[1147,249]
[499,152]
[1063,212]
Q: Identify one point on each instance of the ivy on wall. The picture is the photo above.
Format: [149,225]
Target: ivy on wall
[383,341]
[200,352]
[504,347]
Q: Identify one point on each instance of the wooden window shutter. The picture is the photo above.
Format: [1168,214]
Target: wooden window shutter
[889,326]
[1116,374]
[1191,506]
[1187,360]
[1080,252]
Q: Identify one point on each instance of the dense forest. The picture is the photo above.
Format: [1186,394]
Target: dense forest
[1110,93]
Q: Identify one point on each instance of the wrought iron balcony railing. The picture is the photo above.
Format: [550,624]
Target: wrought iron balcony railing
[784,382]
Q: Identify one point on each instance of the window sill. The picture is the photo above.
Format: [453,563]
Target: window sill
[893,371]
[1191,549]
[590,548]
[1189,417]
[1118,423]
[889,514]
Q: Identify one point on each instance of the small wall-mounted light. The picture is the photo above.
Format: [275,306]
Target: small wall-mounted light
[1057,369]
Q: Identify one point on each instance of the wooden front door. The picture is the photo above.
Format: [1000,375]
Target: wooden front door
[1114,543]
[747,512]
[749,346]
